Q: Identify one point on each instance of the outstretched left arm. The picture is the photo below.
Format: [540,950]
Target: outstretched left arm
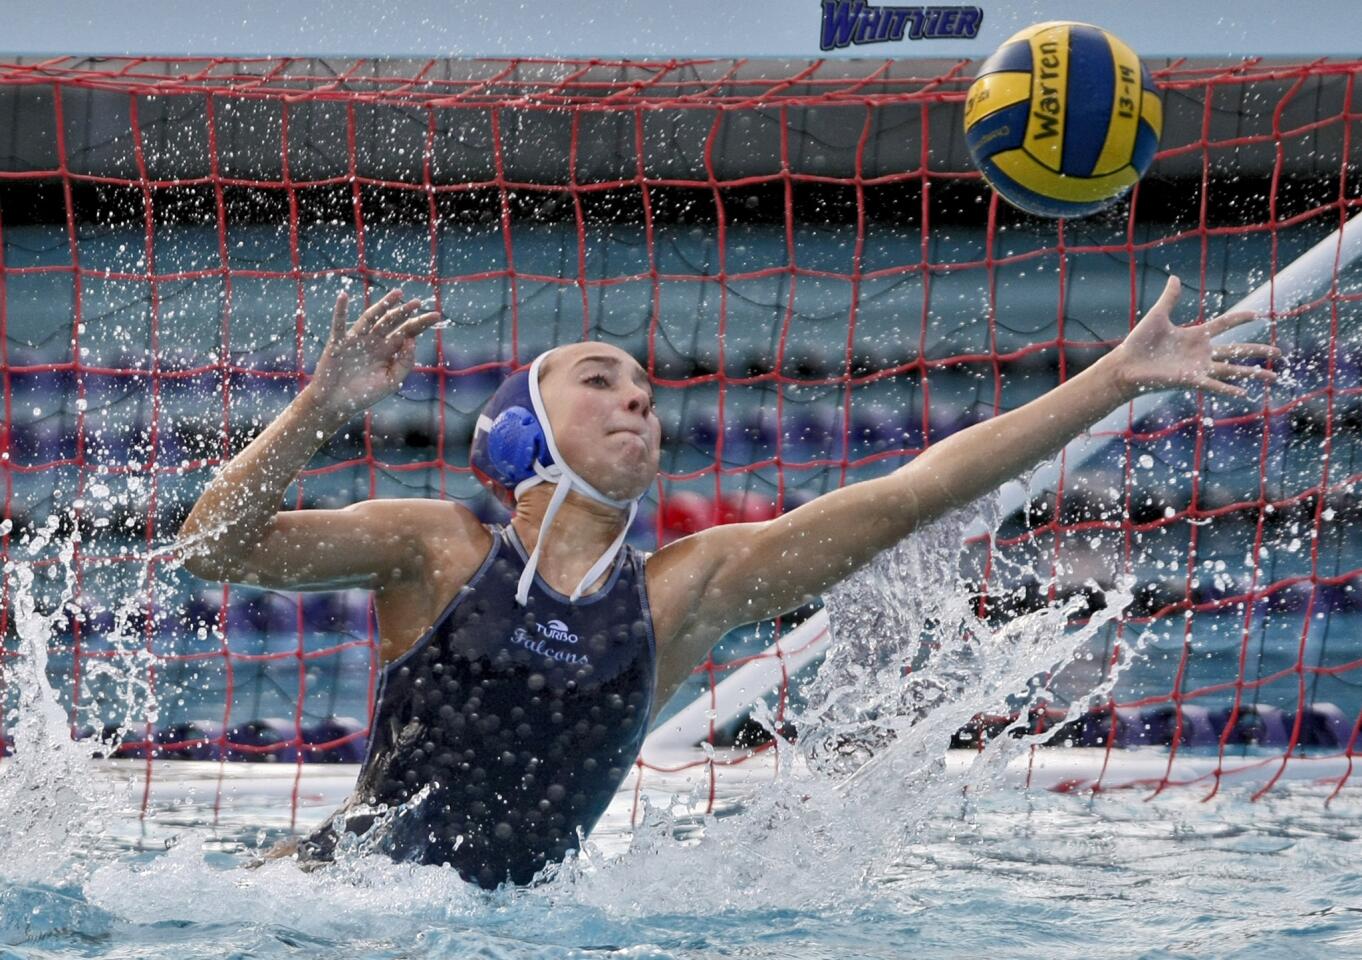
[747,572]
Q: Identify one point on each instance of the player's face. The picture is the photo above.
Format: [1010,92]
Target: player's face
[600,404]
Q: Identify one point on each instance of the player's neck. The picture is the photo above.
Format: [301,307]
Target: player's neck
[582,530]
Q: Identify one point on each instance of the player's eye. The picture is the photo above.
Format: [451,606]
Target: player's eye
[597,378]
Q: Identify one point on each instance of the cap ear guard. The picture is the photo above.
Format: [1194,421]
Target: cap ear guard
[508,461]
[514,442]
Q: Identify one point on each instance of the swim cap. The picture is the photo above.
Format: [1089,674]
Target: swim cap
[513,450]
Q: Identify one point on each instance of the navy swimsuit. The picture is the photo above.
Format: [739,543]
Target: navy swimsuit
[506,730]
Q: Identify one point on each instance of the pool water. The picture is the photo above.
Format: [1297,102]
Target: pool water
[870,838]
[1016,874]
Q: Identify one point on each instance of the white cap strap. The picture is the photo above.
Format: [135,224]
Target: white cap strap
[522,590]
[603,564]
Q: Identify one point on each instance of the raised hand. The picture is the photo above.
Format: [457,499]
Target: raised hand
[362,365]
[1159,355]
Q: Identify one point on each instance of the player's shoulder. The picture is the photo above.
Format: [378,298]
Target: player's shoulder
[416,509]
[442,528]
[445,545]
[680,574]
[701,549]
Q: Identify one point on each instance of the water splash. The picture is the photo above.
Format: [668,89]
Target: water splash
[827,832]
[874,736]
[48,791]
[874,850]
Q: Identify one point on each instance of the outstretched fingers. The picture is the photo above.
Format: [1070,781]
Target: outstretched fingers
[1172,290]
[416,326]
[1228,321]
[1225,389]
[377,309]
[339,315]
[394,318]
[1231,371]
[1219,372]
[1246,351]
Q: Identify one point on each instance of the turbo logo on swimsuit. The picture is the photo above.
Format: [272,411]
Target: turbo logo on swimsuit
[556,631]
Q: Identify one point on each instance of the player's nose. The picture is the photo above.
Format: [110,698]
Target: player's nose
[637,398]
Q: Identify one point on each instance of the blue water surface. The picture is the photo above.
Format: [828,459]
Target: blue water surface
[1017,875]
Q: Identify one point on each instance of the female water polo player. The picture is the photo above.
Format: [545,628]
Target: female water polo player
[524,664]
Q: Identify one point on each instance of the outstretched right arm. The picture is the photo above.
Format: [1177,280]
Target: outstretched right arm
[236,530]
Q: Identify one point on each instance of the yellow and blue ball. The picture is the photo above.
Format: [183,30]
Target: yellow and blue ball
[1063,119]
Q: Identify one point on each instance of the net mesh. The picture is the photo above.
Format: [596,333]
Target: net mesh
[817,281]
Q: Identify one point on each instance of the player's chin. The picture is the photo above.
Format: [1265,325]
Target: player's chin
[633,480]
[624,466]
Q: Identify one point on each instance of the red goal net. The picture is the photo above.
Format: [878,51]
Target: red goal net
[817,281]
